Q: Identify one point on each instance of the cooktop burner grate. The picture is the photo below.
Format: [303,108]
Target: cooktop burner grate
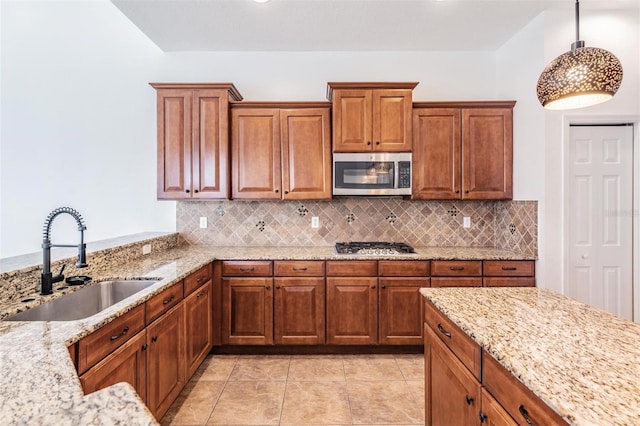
[373,247]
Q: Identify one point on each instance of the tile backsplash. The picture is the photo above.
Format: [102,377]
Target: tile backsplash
[511,225]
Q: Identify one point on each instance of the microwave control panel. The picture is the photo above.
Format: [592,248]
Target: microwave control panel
[404,174]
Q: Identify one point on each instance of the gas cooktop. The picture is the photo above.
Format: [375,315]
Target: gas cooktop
[373,248]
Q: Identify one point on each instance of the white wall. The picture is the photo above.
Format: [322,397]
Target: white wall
[539,145]
[78,124]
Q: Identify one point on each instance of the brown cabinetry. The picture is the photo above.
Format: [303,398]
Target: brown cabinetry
[463,150]
[352,303]
[199,326]
[509,273]
[400,303]
[193,140]
[299,302]
[456,273]
[371,116]
[281,153]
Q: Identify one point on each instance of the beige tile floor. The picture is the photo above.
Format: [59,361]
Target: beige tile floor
[303,390]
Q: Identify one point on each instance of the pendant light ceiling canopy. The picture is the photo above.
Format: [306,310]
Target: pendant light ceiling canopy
[581,77]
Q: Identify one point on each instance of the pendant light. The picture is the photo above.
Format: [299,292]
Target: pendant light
[581,77]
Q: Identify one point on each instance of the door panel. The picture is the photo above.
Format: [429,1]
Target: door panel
[210,153]
[600,219]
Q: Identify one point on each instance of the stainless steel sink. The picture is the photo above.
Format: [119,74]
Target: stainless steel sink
[84,302]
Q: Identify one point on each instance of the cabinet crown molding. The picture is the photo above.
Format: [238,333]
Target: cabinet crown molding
[331,86]
[234,94]
[464,104]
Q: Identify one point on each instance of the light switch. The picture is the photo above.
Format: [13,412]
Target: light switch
[466,222]
[315,222]
[203,222]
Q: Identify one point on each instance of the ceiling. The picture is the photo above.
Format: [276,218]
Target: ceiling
[340,25]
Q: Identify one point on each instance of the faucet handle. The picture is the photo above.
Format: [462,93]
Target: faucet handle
[59,277]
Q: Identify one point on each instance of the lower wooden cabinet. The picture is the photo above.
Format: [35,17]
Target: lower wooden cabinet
[352,310]
[199,327]
[492,413]
[299,311]
[166,372]
[128,364]
[247,306]
[400,311]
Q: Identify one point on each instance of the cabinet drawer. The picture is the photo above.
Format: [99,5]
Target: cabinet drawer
[106,339]
[403,268]
[249,268]
[197,279]
[299,268]
[456,268]
[162,302]
[509,268]
[460,344]
[456,282]
[509,282]
[520,402]
[357,268]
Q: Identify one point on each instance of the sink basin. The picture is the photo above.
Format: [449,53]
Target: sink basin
[84,302]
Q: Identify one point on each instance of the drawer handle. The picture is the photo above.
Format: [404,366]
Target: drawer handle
[469,399]
[373,286]
[443,331]
[456,268]
[483,417]
[202,293]
[299,269]
[154,339]
[247,269]
[201,279]
[169,300]
[277,287]
[512,268]
[117,336]
[268,287]
[145,347]
[383,286]
[525,414]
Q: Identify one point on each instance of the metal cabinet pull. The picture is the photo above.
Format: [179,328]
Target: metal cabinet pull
[247,269]
[200,280]
[299,269]
[456,268]
[443,331]
[506,268]
[277,287]
[373,286]
[202,293]
[525,414]
[144,347]
[169,300]
[482,416]
[383,286]
[469,399]
[117,336]
[268,287]
[154,339]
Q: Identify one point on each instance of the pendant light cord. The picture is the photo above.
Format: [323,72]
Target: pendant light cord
[578,43]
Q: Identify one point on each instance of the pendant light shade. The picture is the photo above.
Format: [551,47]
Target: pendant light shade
[581,77]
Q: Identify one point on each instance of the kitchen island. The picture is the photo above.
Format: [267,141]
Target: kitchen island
[582,362]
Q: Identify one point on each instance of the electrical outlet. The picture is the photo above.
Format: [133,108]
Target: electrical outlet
[203,222]
[315,222]
[146,249]
[466,222]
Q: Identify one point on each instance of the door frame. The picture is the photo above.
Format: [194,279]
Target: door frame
[604,120]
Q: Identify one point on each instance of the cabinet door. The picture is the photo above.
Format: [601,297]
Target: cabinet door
[400,315]
[452,393]
[199,324]
[166,368]
[255,154]
[493,414]
[306,154]
[128,364]
[174,143]
[352,311]
[352,127]
[436,154]
[392,120]
[487,153]
[299,311]
[210,144]
[247,311]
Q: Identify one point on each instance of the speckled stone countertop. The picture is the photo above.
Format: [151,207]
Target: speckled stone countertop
[582,362]
[38,383]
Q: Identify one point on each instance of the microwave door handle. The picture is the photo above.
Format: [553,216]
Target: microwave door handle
[396,176]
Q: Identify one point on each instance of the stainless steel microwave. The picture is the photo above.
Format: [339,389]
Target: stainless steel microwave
[372,174]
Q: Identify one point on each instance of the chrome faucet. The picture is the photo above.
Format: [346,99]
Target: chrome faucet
[48,279]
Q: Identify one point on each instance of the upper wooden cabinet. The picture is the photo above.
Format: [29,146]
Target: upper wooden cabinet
[463,150]
[281,151]
[193,139]
[371,116]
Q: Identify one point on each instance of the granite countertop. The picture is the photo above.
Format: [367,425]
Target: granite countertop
[582,362]
[38,382]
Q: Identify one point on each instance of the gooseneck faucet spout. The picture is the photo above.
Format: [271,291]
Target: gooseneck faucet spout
[48,279]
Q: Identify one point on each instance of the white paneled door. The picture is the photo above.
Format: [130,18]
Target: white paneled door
[600,217]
